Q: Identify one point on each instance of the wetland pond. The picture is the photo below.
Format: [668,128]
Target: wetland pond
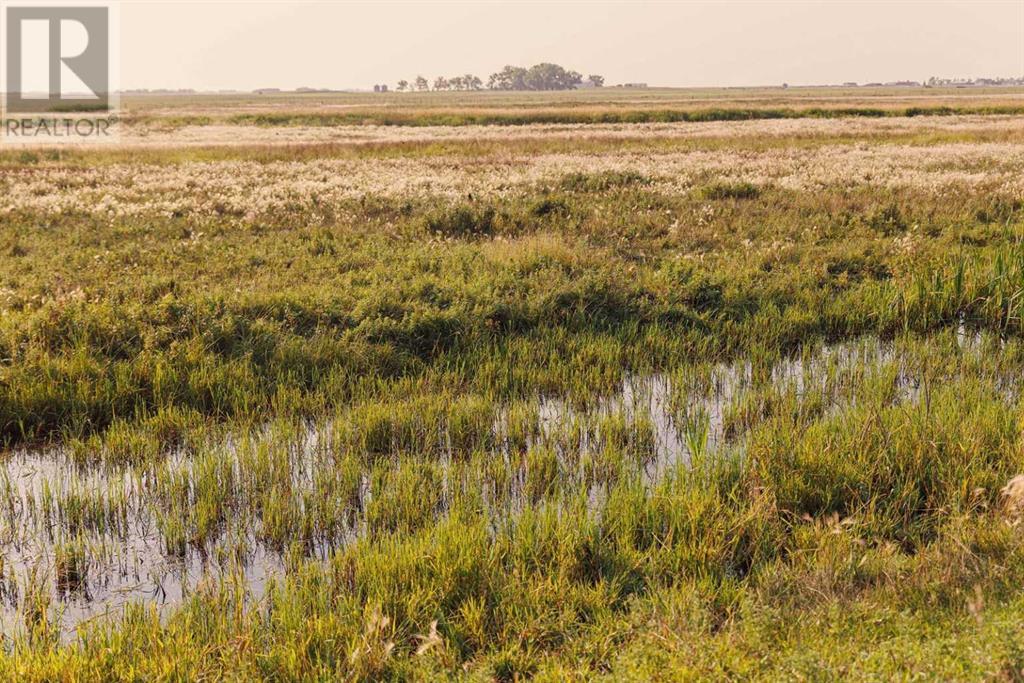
[82,542]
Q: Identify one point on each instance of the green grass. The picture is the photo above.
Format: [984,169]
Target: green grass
[416,408]
[295,321]
[504,117]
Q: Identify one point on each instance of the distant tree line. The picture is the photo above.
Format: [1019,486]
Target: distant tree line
[543,76]
[933,81]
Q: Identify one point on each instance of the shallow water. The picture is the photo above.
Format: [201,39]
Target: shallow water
[127,560]
[126,555]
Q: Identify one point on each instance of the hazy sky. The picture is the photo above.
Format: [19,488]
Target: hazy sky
[338,44]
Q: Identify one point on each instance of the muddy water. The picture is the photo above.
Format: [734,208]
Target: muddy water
[126,558]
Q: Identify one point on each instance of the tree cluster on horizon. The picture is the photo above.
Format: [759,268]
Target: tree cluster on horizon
[544,76]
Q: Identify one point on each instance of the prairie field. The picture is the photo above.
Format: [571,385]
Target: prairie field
[617,384]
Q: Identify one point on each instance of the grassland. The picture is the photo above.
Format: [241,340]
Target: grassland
[676,400]
[595,106]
